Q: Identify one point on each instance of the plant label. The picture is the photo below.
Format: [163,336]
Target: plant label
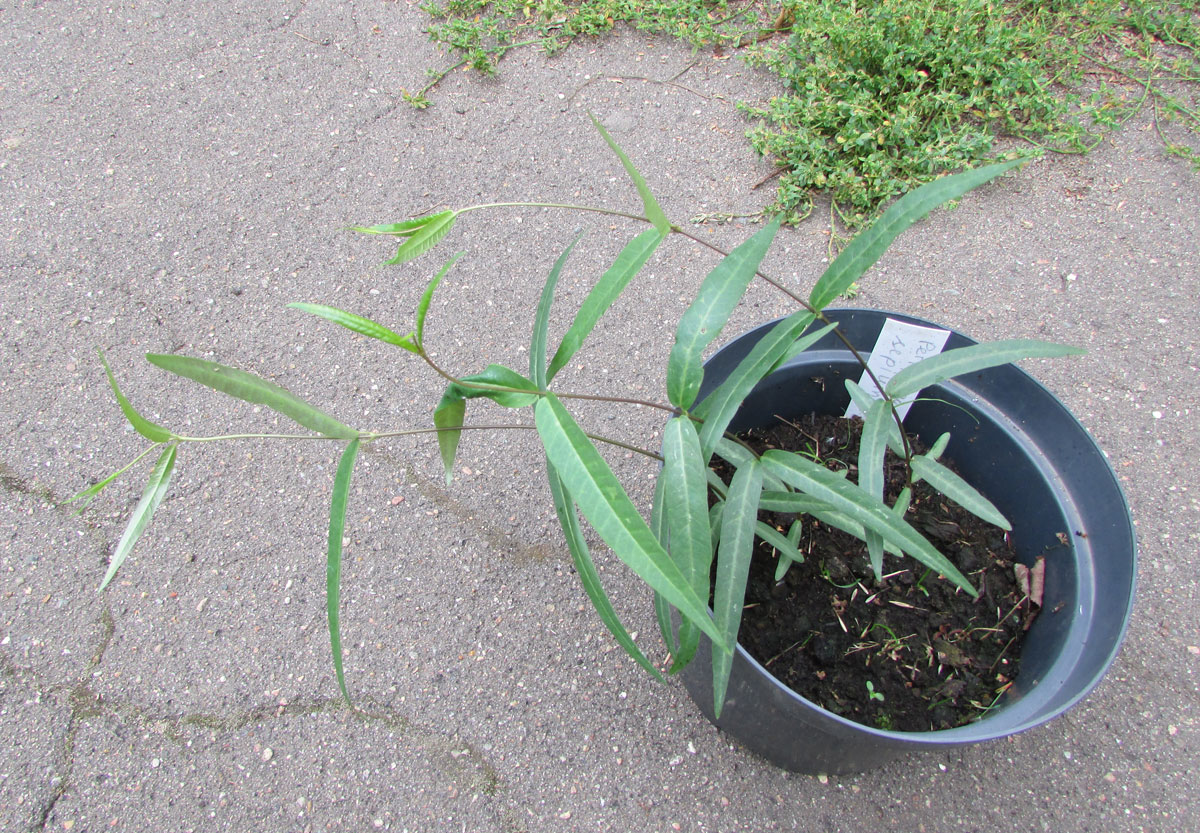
[898,346]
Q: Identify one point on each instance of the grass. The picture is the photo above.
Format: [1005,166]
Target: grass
[884,95]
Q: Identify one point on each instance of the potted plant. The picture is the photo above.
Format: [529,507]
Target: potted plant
[697,544]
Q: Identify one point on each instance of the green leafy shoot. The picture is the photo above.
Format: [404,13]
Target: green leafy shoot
[654,212]
[427,298]
[589,577]
[420,238]
[861,254]
[358,324]
[333,562]
[611,284]
[156,490]
[739,521]
[935,369]
[502,385]
[715,301]
[255,390]
[154,433]
[541,320]
[847,498]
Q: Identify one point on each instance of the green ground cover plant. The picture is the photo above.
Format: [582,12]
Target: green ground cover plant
[884,95]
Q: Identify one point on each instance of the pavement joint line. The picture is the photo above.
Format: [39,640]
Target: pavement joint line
[463,765]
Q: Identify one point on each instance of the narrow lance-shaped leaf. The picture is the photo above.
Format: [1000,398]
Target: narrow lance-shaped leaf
[738,524]
[611,513]
[358,324]
[869,245]
[719,407]
[871,451]
[687,519]
[423,238]
[786,560]
[333,562]
[589,577]
[255,390]
[427,297]
[865,402]
[654,212]
[848,499]
[704,319]
[152,496]
[407,228]
[448,418]
[914,378]
[958,490]
[151,431]
[658,526]
[541,320]
[96,488]
[785,548]
[611,284]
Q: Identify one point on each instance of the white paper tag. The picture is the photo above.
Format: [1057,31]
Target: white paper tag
[898,346]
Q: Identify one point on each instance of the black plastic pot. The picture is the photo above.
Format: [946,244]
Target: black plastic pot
[1019,445]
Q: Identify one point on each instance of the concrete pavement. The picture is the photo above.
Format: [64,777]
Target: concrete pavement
[172,175]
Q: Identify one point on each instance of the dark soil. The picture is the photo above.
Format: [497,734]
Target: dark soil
[911,654]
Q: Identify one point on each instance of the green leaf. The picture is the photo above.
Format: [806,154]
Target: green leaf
[686,505]
[738,524]
[867,247]
[871,451]
[914,378]
[658,526]
[865,402]
[958,490]
[801,504]
[784,546]
[96,488]
[427,296]
[589,577]
[405,229]
[448,417]
[846,498]
[715,301]
[250,388]
[358,324]
[719,407]
[654,212]
[151,431]
[152,496]
[737,455]
[422,238]
[333,563]
[786,561]
[611,284]
[541,321]
[502,385]
[611,513]
[939,447]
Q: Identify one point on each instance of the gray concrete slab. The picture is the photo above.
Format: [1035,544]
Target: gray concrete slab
[173,174]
